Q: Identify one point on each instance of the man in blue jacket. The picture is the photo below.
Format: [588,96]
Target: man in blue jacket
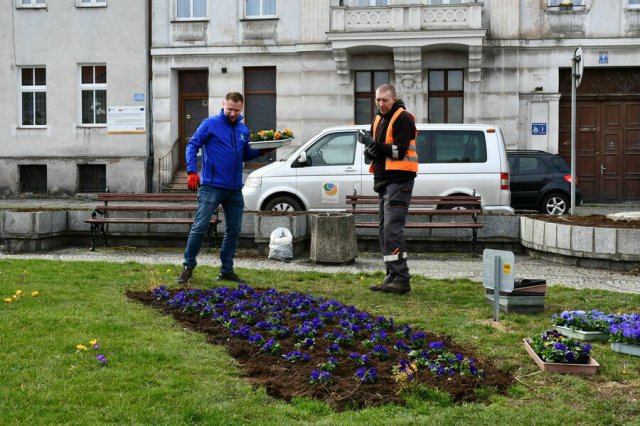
[224,140]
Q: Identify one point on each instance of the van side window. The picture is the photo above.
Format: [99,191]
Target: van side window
[336,149]
[451,146]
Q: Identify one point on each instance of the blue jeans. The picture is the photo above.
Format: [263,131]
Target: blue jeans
[209,198]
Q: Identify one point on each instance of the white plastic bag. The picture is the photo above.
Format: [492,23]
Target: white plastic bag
[281,244]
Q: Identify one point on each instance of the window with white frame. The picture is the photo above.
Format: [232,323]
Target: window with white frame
[91,3]
[191,9]
[33,99]
[260,8]
[93,94]
[31,3]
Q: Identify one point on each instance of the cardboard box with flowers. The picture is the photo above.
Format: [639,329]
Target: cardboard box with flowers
[555,353]
[584,325]
[625,335]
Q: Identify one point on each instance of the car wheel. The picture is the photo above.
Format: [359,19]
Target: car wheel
[284,203]
[555,204]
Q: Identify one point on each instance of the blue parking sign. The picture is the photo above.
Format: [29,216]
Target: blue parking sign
[538,128]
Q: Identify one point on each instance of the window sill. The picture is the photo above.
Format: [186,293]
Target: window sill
[189,20]
[259,18]
[19,128]
[31,6]
[90,6]
[91,126]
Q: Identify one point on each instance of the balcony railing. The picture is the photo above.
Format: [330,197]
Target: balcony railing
[406,17]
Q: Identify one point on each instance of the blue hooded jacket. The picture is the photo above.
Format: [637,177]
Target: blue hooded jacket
[225,147]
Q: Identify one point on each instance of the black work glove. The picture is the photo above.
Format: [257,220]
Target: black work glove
[365,138]
[372,151]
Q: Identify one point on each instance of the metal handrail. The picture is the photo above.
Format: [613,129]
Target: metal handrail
[167,165]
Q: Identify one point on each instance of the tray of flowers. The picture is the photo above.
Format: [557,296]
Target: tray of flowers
[555,353]
[266,139]
[625,335]
[584,325]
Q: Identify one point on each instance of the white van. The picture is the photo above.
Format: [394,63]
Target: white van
[455,159]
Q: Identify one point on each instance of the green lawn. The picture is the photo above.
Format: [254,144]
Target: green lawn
[159,373]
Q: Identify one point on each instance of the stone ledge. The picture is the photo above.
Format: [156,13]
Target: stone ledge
[582,244]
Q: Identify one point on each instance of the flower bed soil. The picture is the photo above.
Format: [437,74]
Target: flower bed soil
[285,380]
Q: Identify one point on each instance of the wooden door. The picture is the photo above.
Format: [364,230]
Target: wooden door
[607,133]
[610,164]
[193,106]
[194,111]
[631,155]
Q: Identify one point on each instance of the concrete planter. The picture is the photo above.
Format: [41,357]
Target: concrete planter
[612,248]
[333,238]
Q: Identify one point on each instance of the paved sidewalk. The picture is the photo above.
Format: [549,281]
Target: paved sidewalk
[435,265]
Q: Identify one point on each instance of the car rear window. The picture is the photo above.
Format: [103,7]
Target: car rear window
[451,146]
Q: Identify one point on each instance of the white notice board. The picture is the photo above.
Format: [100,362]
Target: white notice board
[126,119]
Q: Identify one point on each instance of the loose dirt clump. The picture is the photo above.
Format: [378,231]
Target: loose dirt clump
[285,380]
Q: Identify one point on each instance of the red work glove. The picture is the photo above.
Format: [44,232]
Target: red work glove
[193,182]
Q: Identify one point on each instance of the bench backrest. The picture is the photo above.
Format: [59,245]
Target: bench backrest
[454,200]
[432,204]
[167,197]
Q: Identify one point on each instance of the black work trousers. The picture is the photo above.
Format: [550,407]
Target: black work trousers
[394,203]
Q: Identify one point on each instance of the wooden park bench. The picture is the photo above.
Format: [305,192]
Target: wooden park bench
[466,207]
[163,203]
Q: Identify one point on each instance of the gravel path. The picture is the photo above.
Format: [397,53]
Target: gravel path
[430,266]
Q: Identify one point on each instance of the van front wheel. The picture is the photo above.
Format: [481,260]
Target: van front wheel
[283,203]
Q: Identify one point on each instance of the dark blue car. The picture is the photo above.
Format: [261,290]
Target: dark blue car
[540,181]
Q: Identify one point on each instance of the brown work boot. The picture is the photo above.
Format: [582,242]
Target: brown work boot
[397,287]
[385,281]
[184,276]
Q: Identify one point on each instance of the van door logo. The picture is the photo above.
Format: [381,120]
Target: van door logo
[330,193]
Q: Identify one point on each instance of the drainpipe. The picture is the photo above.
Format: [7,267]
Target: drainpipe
[150,153]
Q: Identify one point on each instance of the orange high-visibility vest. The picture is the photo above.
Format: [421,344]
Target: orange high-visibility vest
[410,161]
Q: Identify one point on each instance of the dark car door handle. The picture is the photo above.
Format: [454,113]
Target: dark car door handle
[545,180]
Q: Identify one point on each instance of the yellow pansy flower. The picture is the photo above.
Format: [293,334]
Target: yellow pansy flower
[8,299]
[81,347]
[34,294]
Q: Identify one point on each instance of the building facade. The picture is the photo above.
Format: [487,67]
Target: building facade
[74,84]
[310,64]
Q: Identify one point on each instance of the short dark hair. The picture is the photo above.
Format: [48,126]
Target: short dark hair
[235,97]
[387,88]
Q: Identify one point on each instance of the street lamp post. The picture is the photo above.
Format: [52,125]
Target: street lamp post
[577,69]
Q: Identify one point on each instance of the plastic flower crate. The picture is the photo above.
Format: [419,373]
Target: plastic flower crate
[588,336]
[625,348]
[588,369]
